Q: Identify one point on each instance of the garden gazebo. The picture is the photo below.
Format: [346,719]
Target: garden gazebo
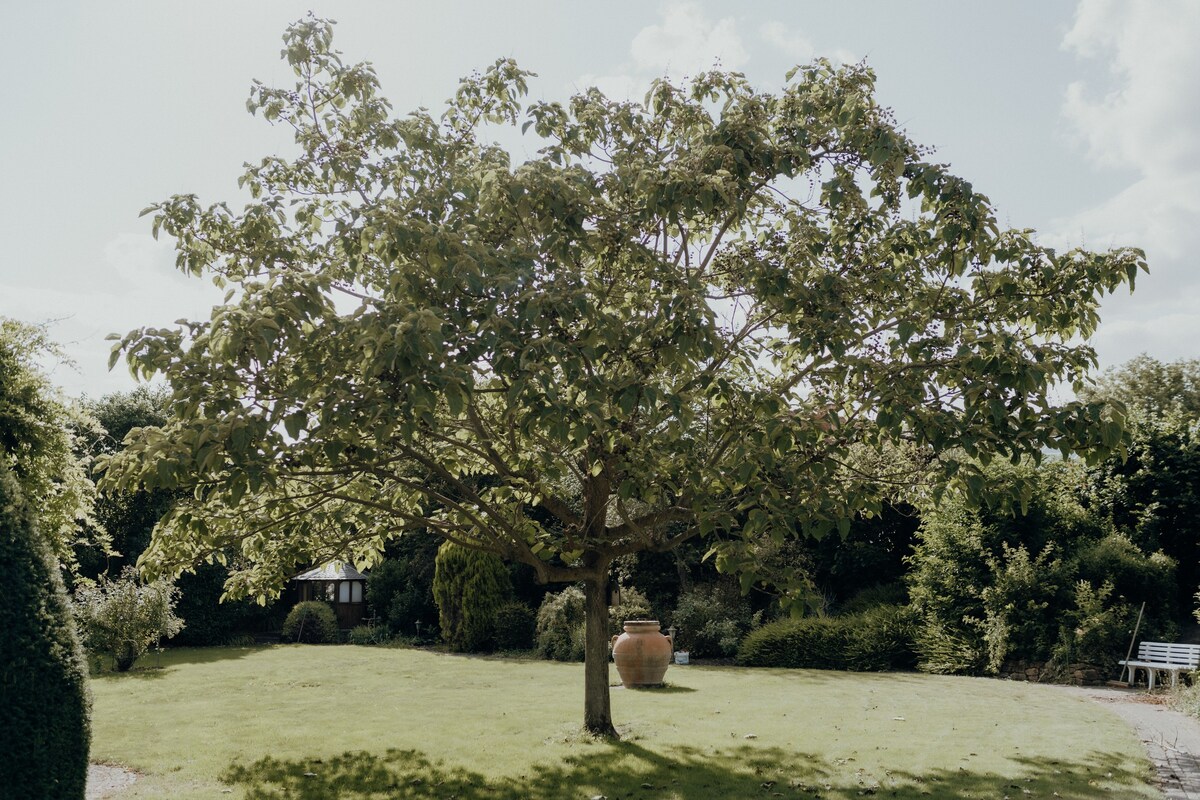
[340,585]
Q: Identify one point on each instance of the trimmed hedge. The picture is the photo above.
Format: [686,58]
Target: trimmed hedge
[876,640]
[312,622]
[46,732]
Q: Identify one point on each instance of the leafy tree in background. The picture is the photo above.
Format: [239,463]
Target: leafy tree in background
[1153,495]
[400,587]
[1152,386]
[990,586]
[42,442]
[676,320]
[127,517]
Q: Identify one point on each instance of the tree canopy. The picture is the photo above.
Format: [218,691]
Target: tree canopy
[695,316]
[43,443]
[1152,386]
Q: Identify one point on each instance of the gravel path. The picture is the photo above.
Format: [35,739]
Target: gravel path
[1171,739]
[105,781]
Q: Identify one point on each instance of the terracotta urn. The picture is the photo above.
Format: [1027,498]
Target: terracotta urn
[642,653]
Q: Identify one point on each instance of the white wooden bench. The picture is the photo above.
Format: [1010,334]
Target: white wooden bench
[1155,657]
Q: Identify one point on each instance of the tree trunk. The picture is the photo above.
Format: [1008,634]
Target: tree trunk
[597,713]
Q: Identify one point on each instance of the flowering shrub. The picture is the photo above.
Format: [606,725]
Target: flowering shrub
[123,617]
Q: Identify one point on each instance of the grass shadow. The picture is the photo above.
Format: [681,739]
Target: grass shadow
[662,688]
[158,665]
[630,771]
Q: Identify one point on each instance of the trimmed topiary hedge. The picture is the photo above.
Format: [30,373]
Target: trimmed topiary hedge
[312,622]
[876,640]
[45,736]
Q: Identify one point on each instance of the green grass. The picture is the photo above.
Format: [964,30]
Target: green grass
[349,722]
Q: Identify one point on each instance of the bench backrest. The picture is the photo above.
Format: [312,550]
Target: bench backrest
[1182,655]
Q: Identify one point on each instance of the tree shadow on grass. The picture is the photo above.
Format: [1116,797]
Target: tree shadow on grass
[158,665]
[629,771]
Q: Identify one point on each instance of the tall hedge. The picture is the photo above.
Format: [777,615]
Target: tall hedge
[43,692]
[469,585]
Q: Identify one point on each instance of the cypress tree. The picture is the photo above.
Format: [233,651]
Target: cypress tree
[468,586]
[44,706]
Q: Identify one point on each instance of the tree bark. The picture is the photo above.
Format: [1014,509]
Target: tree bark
[597,712]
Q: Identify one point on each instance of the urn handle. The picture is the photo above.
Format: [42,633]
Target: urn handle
[613,642]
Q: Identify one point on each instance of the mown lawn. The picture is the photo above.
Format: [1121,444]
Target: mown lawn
[350,722]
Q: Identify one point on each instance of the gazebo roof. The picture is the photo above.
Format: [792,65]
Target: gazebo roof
[334,571]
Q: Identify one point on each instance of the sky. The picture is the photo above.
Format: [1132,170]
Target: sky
[1080,120]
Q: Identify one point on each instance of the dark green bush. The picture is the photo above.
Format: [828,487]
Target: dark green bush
[560,625]
[1021,604]
[876,640]
[711,620]
[206,620]
[514,627]
[312,622]
[45,736]
[812,642]
[949,650]
[468,586]
[400,588]
[883,594]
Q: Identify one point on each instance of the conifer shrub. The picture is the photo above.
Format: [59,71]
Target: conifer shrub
[310,622]
[46,732]
[560,625]
[515,626]
[469,586]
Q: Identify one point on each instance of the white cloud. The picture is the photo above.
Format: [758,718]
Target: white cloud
[686,41]
[1147,119]
[1142,114]
[140,287]
[796,46]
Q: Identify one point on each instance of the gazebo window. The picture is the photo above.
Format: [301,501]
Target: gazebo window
[350,592]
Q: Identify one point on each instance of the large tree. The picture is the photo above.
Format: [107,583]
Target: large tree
[676,319]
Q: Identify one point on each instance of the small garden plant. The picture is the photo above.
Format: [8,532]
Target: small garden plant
[123,617]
